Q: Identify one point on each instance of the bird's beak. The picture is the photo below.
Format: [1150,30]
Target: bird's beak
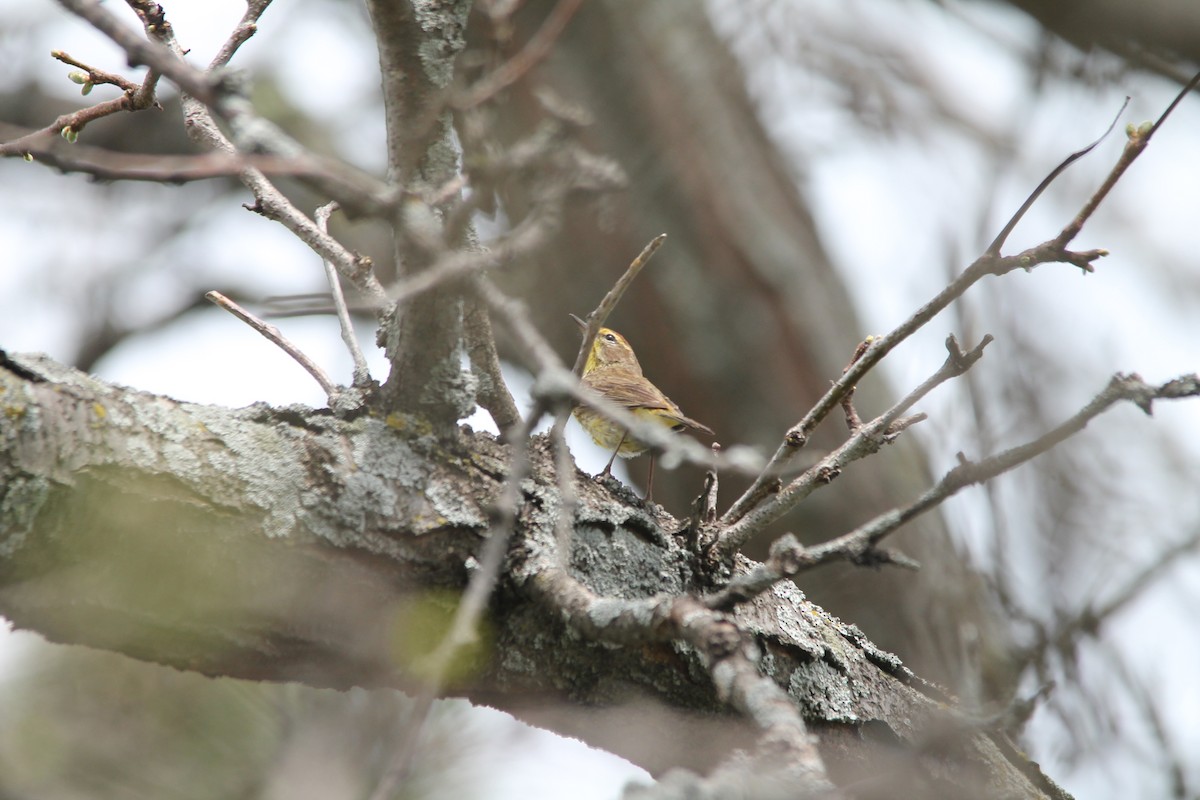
[582,324]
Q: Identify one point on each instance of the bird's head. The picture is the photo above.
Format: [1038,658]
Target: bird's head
[609,349]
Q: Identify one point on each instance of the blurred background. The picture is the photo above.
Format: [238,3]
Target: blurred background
[821,167]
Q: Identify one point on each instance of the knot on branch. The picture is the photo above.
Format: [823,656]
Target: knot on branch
[786,555]
[828,473]
[1082,258]
[876,557]
[960,361]
[721,640]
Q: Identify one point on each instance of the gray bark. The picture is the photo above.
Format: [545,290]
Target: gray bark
[288,544]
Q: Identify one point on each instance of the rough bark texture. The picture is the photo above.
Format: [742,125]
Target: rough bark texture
[287,544]
[418,42]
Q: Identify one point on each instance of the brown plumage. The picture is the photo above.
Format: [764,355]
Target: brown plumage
[612,371]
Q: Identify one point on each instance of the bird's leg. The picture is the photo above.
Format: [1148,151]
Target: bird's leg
[617,449]
[650,480]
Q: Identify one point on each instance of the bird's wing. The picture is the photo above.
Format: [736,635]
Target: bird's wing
[637,393]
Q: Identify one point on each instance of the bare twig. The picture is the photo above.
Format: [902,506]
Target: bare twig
[159,58]
[853,422]
[1121,387]
[1138,138]
[866,440]
[1065,638]
[351,187]
[163,56]
[246,27]
[35,144]
[272,333]
[98,76]
[788,755]
[47,146]
[596,319]
[789,558]
[536,49]
[274,205]
[492,393]
[362,374]
[783,561]
[990,263]
[704,507]
[1002,237]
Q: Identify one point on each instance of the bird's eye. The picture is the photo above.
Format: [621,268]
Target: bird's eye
[608,337]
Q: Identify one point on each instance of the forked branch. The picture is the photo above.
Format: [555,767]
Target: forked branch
[990,263]
[1129,388]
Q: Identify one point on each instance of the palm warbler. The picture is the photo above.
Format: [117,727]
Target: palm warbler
[612,370]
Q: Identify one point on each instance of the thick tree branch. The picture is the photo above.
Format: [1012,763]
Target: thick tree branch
[293,545]
[788,758]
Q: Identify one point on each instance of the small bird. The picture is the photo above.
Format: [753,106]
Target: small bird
[612,371]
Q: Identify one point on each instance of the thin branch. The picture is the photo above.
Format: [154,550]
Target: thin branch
[48,147]
[1138,138]
[990,263]
[787,754]
[596,319]
[783,561]
[274,205]
[140,51]
[1121,387]
[246,27]
[164,57]
[272,333]
[536,49]
[1066,637]
[98,76]
[492,393]
[1002,237]
[43,143]
[36,143]
[788,558]
[704,508]
[362,374]
[867,439]
[353,188]
[853,422]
